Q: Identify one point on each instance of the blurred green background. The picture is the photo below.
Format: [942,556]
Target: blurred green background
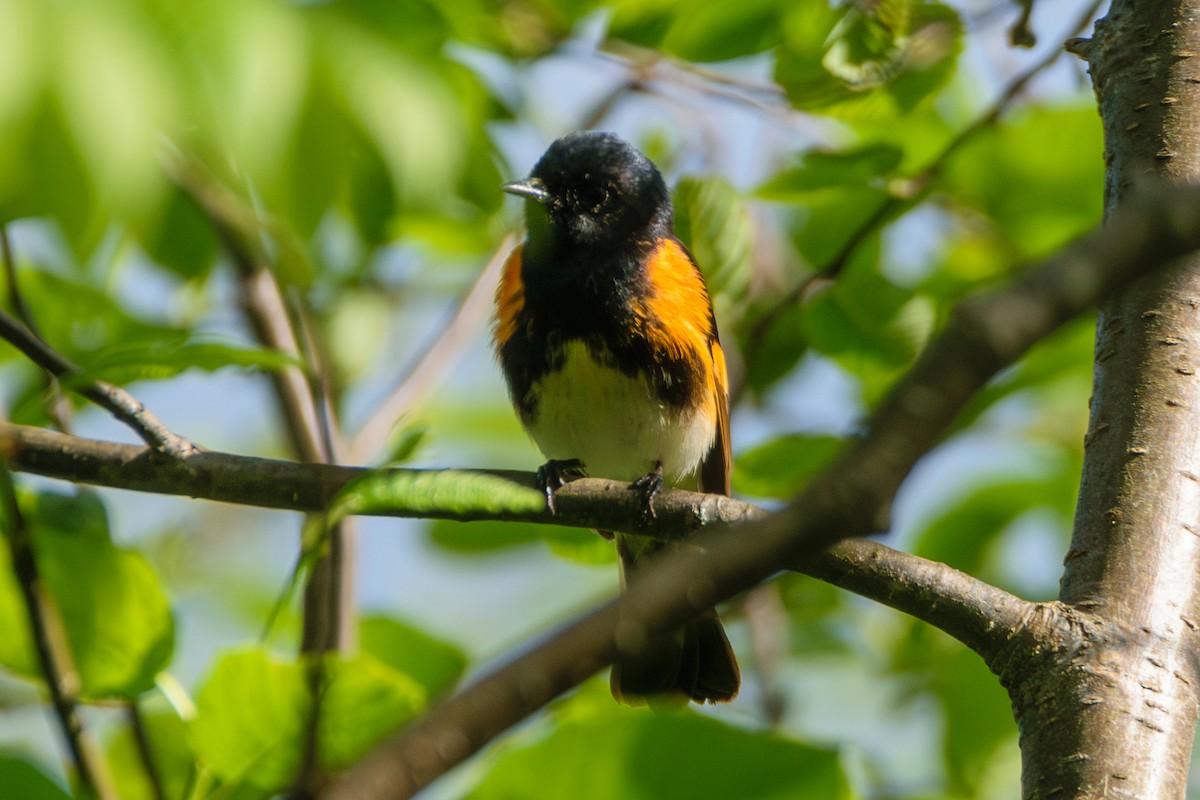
[359,146]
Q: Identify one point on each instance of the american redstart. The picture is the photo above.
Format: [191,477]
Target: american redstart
[606,336]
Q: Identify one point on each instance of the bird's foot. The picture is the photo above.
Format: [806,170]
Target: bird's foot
[555,474]
[649,485]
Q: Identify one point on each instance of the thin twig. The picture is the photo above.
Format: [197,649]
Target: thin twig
[50,641]
[651,66]
[769,627]
[57,407]
[1021,34]
[438,358]
[312,430]
[116,400]
[58,410]
[14,287]
[915,190]
[145,751]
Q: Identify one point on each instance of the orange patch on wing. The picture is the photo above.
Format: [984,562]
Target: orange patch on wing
[677,305]
[677,316]
[510,298]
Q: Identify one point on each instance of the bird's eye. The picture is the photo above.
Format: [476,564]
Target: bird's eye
[592,198]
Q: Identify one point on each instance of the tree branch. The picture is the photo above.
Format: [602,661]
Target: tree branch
[966,608]
[311,426]
[849,498]
[117,401]
[1123,689]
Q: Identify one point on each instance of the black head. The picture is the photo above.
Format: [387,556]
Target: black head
[594,189]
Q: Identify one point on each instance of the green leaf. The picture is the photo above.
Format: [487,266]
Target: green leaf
[126,363]
[874,61]
[421,491]
[364,701]
[864,336]
[1061,362]
[582,546]
[1047,153]
[830,218]
[404,444]
[626,753]
[81,514]
[167,734]
[782,466]
[113,87]
[21,779]
[52,180]
[712,221]
[369,198]
[254,709]
[704,32]
[433,663]
[251,714]
[409,24]
[488,536]
[820,169]
[978,715]
[821,620]
[118,623]
[81,320]
[799,62]
[183,241]
[408,111]
[963,534]
[776,351]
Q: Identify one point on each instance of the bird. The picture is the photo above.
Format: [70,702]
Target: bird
[605,333]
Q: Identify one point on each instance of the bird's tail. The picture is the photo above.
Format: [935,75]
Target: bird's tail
[695,662]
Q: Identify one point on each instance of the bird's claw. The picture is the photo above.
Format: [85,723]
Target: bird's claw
[649,485]
[555,474]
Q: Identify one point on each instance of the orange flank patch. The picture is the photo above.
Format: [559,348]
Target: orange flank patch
[677,307]
[676,315]
[510,298]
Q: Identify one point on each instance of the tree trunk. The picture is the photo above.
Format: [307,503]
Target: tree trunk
[1111,710]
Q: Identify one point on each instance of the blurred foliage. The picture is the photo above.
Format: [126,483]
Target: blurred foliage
[253,710]
[22,779]
[357,147]
[597,749]
[118,624]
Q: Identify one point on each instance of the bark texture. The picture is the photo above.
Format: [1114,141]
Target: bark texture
[1118,715]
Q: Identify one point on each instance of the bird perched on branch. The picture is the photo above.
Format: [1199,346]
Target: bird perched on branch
[606,336]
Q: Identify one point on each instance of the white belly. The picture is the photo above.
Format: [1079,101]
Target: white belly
[613,423]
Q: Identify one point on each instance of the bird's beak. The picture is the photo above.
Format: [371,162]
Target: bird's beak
[533,188]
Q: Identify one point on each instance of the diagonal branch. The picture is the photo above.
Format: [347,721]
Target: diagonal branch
[57,407]
[965,607]
[16,298]
[849,498]
[116,400]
